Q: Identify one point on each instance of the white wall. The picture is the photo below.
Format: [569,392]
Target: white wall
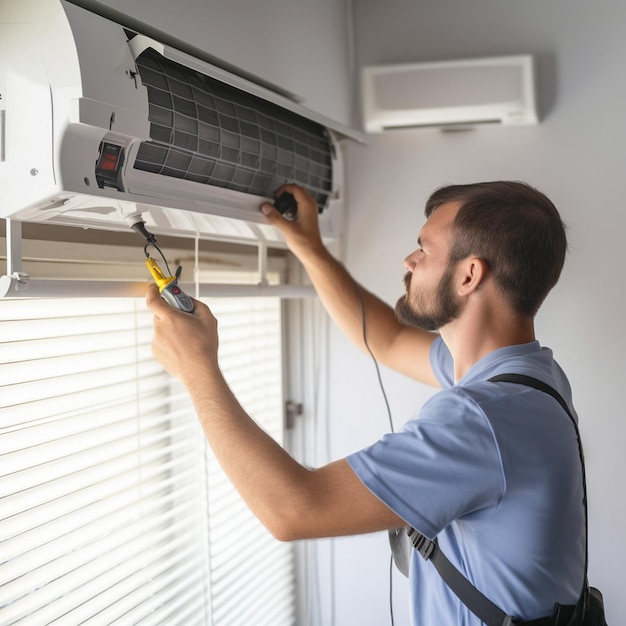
[576,156]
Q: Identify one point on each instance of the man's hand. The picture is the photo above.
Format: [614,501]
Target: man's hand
[184,343]
[303,234]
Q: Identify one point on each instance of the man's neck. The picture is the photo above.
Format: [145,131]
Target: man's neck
[474,337]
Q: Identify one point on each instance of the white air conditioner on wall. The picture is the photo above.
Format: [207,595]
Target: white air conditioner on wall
[99,121]
[465,92]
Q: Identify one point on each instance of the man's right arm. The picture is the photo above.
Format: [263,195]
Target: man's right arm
[399,347]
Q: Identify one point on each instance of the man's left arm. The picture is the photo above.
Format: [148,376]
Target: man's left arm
[292,501]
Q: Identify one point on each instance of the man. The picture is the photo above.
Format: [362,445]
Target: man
[491,469]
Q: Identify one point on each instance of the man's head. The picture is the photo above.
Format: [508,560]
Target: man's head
[514,229]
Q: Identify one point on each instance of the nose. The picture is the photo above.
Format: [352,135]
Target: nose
[409,261]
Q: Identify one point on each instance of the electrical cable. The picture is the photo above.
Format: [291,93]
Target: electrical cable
[139,226]
[380,380]
[153,244]
[391,616]
[382,389]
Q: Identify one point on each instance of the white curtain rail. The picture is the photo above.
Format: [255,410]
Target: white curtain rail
[20,285]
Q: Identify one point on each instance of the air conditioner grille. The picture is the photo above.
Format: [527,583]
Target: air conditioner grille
[209,132]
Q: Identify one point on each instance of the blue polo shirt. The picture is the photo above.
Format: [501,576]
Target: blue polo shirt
[493,471]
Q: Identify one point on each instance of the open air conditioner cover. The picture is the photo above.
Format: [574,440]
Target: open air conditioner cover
[99,122]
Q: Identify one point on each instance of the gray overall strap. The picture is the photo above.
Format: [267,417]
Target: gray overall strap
[472,598]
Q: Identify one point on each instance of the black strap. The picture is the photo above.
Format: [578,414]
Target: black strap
[476,602]
[529,381]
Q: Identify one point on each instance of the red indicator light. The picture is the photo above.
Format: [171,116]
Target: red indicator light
[108,162]
[109,166]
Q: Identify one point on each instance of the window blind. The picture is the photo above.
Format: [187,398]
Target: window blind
[112,508]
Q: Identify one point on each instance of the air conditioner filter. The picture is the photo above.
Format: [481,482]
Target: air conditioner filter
[209,132]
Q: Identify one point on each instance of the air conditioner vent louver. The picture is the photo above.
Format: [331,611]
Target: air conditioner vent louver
[209,132]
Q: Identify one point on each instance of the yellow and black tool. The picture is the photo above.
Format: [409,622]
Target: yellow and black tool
[168,285]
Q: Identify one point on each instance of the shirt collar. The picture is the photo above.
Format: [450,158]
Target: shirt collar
[488,365]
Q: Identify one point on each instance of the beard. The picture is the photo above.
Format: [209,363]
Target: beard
[429,311]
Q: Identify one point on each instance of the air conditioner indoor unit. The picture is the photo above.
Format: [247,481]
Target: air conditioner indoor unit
[458,93]
[99,121]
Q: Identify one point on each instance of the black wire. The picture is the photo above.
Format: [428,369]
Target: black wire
[380,380]
[153,244]
[382,389]
[391,618]
[140,228]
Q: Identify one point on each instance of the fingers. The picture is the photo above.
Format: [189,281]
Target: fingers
[302,234]
[154,302]
[302,196]
[306,204]
[161,309]
[270,213]
[183,343]
[304,229]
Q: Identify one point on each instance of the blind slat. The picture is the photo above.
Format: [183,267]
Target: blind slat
[111,576]
[88,505]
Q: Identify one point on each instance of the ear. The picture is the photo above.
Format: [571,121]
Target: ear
[473,272]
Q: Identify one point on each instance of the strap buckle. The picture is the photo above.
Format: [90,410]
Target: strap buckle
[422,544]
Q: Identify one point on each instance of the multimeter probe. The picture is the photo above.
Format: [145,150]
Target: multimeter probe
[167,284]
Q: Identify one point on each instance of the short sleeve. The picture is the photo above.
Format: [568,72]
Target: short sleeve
[444,464]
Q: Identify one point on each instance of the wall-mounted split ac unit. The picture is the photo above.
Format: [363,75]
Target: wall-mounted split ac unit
[446,94]
[99,121]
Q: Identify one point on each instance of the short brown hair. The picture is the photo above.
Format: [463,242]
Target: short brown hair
[516,229]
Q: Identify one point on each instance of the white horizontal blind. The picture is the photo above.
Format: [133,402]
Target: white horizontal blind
[111,511]
[252,578]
